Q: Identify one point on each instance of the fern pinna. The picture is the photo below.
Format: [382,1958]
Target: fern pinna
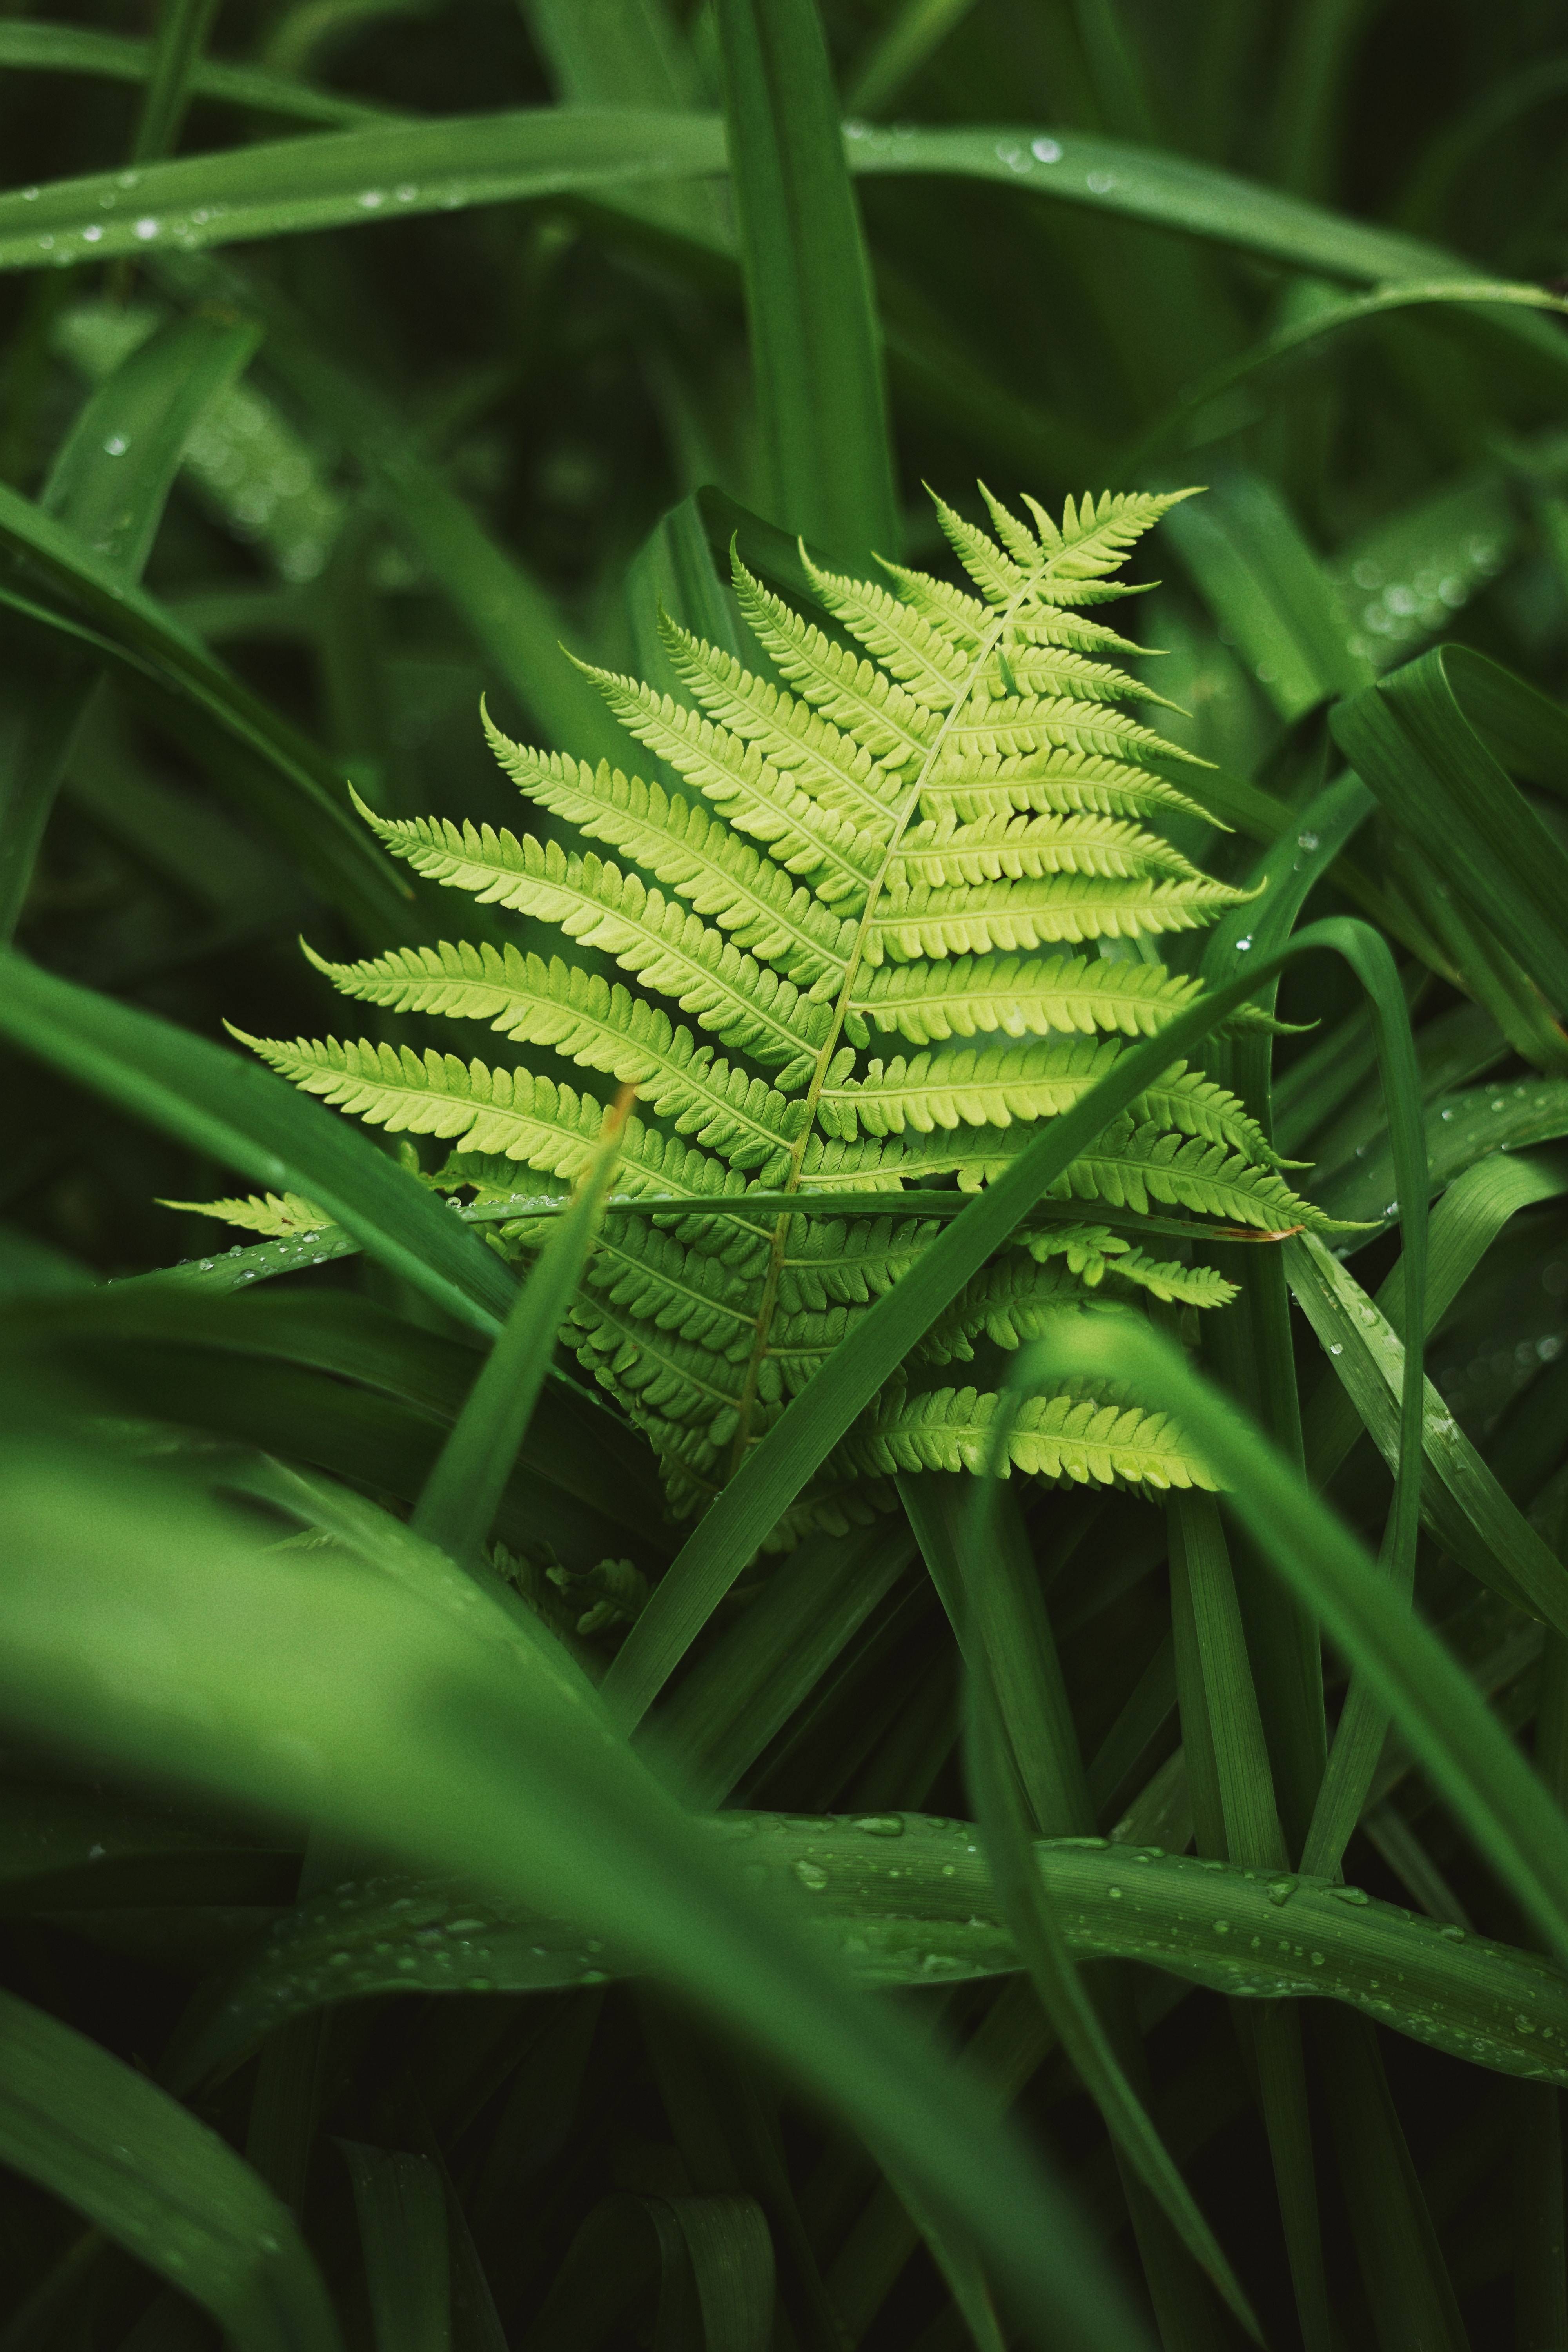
[911,838]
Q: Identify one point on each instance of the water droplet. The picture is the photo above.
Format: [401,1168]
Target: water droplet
[1306,841]
[96,1853]
[1316,1959]
[1281,1890]
[91,234]
[406,194]
[1222,1926]
[116,446]
[372,199]
[1114,1893]
[882,1824]
[1100,184]
[1046,150]
[1242,946]
[1350,1894]
[146,230]
[811,1874]
[126,179]
[1336,1349]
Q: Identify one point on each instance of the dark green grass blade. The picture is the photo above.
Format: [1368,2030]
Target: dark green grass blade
[902,1899]
[1025,1762]
[400,2201]
[463,1738]
[458,1505]
[73,48]
[106,2140]
[1170,424]
[307,806]
[183,28]
[815,346]
[246,1118]
[1430,1699]
[515,623]
[109,483]
[815,1421]
[1412,740]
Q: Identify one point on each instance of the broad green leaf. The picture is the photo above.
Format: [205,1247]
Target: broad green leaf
[462,1741]
[300,794]
[906,1899]
[1263,583]
[222,1103]
[816,347]
[102,2137]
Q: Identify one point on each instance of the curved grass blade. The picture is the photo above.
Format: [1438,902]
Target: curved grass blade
[306,805]
[1298,332]
[1415,745]
[815,348]
[459,1502]
[27,45]
[246,1118]
[109,484]
[462,1739]
[906,1899]
[1429,1699]
[105,2139]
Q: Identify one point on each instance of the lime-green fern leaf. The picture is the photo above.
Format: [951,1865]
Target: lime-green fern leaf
[963,996]
[1084,1439]
[281,1216]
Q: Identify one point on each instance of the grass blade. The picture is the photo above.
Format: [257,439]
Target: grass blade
[458,1502]
[401,2203]
[183,28]
[225,1104]
[159,2183]
[815,346]
[1429,1696]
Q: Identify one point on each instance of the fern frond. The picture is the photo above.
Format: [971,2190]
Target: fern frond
[934,857]
[596,1024]
[992,1085]
[1131,1165]
[1062,779]
[1077,1436]
[829,765]
[979,917]
[690,850]
[962,997]
[278,1215]
[854,694]
[745,1003]
[907,836]
[805,837]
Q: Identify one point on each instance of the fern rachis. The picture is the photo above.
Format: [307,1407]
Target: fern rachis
[913,838]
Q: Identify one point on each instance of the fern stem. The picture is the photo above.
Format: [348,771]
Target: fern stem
[830,1048]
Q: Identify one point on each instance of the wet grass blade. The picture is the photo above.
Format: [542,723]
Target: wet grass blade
[1430,1699]
[242,1115]
[458,1505]
[104,2139]
[816,345]
[464,1740]
[109,484]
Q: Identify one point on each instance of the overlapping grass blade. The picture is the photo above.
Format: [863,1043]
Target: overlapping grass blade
[1429,1699]
[815,348]
[461,1739]
[101,2137]
[224,1104]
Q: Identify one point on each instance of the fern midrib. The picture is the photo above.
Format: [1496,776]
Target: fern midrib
[911,801]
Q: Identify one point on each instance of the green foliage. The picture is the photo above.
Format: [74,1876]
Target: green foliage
[958,786]
[449,1900]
